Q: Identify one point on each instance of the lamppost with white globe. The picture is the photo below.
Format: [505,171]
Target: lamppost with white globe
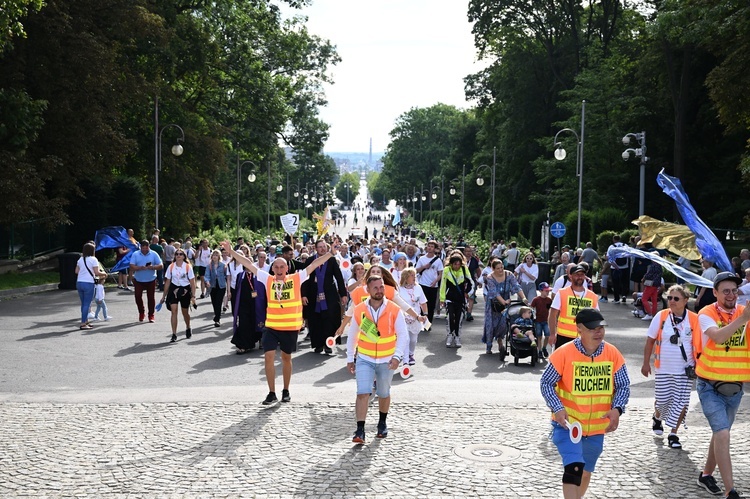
[177,150]
[561,154]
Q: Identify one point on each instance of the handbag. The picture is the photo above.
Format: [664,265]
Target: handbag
[497,307]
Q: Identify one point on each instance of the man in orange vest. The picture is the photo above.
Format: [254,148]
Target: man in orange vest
[565,306]
[283,315]
[379,338]
[585,382]
[722,365]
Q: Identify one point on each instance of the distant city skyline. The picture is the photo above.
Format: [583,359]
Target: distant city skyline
[406,54]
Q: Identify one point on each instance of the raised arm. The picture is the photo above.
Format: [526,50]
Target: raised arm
[239,257]
[318,262]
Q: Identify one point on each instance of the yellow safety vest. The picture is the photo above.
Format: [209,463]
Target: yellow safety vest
[376,339]
[570,304]
[284,311]
[728,361]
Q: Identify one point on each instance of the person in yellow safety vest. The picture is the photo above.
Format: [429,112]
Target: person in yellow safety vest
[670,338]
[565,306]
[378,337]
[585,382]
[283,315]
[722,365]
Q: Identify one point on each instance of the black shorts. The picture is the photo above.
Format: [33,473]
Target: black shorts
[179,294]
[286,340]
[199,271]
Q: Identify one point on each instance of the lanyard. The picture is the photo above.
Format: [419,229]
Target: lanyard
[375,317]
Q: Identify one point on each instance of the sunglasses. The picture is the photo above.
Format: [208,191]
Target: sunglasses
[179,254]
[675,298]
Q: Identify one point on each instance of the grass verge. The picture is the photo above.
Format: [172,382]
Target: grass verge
[14,280]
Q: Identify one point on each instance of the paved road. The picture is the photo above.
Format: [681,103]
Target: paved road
[119,410]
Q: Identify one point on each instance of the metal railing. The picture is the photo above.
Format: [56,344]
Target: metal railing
[30,239]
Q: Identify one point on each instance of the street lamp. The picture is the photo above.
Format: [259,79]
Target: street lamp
[480,182]
[560,155]
[453,192]
[239,175]
[252,177]
[177,150]
[639,152]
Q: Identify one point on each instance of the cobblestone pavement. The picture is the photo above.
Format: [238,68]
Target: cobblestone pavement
[304,449]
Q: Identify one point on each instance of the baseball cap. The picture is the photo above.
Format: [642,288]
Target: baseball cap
[591,318]
[726,276]
[577,268]
[544,286]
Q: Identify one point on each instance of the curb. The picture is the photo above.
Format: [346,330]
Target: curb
[10,293]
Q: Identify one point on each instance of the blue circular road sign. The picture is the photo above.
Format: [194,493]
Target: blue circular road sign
[557,230]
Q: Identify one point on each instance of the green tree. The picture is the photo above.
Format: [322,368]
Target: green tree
[352,180]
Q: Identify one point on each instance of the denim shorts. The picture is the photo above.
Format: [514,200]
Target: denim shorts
[719,410]
[541,328]
[367,372]
[586,451]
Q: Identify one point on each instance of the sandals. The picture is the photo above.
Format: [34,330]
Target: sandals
[86,326]
[241,351]
[674,442]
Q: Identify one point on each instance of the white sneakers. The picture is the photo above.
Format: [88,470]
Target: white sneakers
[452,341]
[647,317]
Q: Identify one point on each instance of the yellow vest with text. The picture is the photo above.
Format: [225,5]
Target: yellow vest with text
[284,311]
[384,345]
[570,304]
[728,361]
[587,386]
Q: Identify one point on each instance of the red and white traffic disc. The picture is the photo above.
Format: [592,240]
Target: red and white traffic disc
[330,342]
[576,431]
[406,371]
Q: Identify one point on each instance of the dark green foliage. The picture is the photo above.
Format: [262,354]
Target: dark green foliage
[127,204]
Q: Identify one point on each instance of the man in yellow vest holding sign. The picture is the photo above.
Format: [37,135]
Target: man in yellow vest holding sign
[722,366]
[283,316]
[379,338]
[585,385]
[565,306]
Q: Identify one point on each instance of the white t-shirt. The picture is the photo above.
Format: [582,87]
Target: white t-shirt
[429,276]
[83,274]
[99,292]
[533,270]
[234,269]
[558,285]
[202,257]
[744,294]
[670,354]
[179,275]
[414,297]
[513,256]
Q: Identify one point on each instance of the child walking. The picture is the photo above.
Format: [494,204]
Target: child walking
[100,303]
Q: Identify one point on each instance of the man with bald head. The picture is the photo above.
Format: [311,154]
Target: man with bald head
[283,316]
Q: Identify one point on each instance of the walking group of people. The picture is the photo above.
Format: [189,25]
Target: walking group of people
[382,292]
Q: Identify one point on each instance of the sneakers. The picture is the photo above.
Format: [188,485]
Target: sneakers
[545,353]
[457,342]
[382,430]
[449,341]
[489,350]
[174,339]
[151,318]
[708,482]
[411,360]
[107,319]
[188,333]
[469,317]
[217,324]
[533,343]
[141,317]
[359,436]
[733,494]
[674,442]
[604,299]
[647,317]
[285,397]
[657,427]
[203,295]
[328,351]
[270,399]
[623,299]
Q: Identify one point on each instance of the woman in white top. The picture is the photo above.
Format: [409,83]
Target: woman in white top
[527,273]
[179,288]
[412,294]
[87,268]
[358,272]
[672,331]
[202,259]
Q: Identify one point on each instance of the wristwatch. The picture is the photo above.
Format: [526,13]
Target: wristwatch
[619,409]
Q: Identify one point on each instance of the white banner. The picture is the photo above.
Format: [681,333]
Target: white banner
[290,222]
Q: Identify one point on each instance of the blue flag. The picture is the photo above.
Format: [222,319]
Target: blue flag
[708,244]
[397,217]
[116,237]
[684,274]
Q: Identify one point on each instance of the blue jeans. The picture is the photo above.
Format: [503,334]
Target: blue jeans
[101,306]
[86,294]
[367,372]
[719,410]
[541,328]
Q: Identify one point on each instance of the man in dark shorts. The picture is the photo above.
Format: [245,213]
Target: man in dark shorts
[283,315]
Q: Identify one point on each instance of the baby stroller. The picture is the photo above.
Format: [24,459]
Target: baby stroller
[519,348]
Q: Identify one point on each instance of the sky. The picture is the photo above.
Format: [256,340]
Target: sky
[396,55]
